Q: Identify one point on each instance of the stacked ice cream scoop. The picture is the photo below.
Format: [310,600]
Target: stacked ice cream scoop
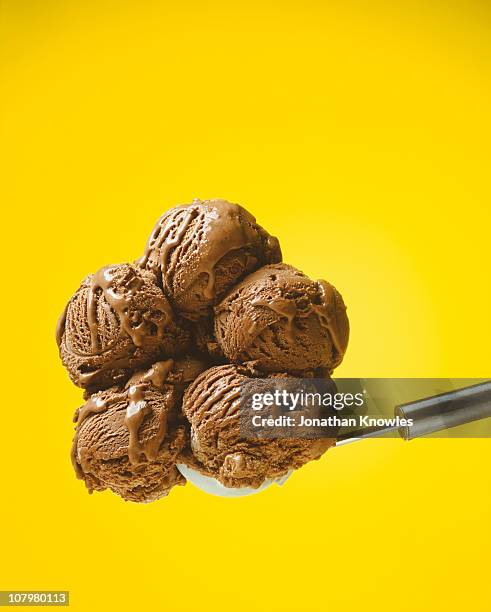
[163,345]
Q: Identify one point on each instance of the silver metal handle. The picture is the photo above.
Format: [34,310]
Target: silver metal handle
[446,410]
[435,413]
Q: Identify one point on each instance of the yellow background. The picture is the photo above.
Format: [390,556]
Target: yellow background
[361,137]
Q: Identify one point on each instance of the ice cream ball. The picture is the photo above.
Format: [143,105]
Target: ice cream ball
[218,446]
[282,320]
[128,438]
[118,321]
[200,250]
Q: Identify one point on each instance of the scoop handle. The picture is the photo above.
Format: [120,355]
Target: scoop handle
[446,410]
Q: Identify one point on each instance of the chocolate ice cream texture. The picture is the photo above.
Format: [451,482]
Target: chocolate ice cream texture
[202,249]
[208,288]
[117,322]
[283,321]
[212,406]
[204,339]
[128,438]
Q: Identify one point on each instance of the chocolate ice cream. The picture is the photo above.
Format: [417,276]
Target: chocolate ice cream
[283,321]
[182,373]
[211,404]
[117,322]
[203,337]
[138,338]
[202,249]
[127,439]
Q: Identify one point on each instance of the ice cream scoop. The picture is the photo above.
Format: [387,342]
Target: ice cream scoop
[117,322]
[431,414]
[128,439]
[219,450]
[283,321]
[202,249]
[125,441]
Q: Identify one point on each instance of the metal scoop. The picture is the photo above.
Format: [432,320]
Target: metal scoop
[432,414]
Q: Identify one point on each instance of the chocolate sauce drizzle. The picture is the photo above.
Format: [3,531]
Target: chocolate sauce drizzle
[157,374]
[224,230]
[161,238]
[120,304]
[137,407]
[325,312]
[283,308]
